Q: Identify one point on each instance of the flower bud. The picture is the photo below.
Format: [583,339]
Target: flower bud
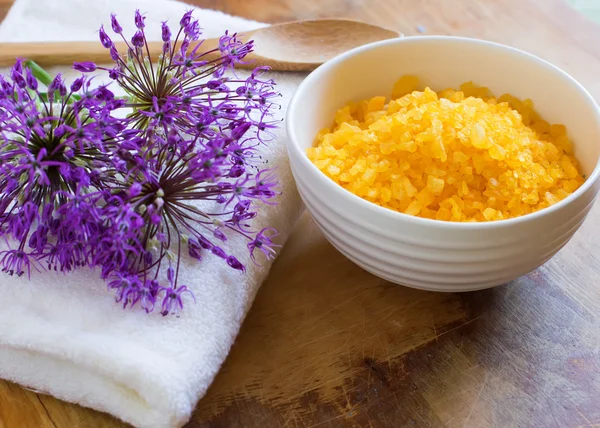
[104,39]
[115,24]
[32,82]
[235,263]
[185,20]
[166,32]
[84,67]
[139,20]
[138,39]
[77,84]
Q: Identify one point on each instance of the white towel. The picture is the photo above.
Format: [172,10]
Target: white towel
[65,335]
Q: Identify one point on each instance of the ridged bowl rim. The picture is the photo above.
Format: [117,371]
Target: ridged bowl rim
[297,154]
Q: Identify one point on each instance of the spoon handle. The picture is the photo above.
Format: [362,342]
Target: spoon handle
[49,54]
[288,46]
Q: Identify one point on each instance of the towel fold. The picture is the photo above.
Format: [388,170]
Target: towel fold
[65,335]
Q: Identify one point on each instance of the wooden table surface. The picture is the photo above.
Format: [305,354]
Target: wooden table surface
[327,344]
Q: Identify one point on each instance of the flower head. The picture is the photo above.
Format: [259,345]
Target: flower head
[188,87]
[180,176]
[49,145]
[177,208]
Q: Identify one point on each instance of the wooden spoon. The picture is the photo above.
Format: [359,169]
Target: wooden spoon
[290,46]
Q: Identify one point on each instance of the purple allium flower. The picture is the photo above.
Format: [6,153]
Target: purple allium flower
[233,49]
[16,261]
[200,177]
[264,243]
[154,215]
[189,90]
[172,301]
[179,176]
[49,186]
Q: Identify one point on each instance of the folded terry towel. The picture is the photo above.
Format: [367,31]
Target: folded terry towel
[65,335]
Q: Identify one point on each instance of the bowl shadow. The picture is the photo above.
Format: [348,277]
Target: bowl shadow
[320,327]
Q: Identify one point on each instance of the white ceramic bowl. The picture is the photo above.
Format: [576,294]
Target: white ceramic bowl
[430,254]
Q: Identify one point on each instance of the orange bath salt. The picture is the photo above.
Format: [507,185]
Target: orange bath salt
[456,155]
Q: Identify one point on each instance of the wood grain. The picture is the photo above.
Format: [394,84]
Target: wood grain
[327,344]
[290,46]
